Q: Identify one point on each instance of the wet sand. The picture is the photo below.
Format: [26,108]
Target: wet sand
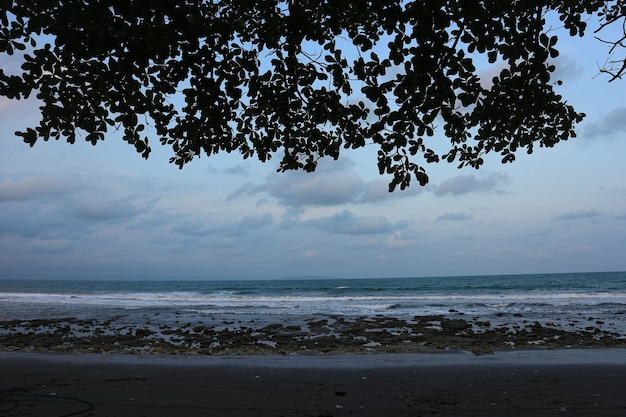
[590,382]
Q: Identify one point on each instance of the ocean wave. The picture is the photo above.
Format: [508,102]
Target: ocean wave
[232,297]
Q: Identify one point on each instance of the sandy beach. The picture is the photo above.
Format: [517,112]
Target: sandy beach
[286,349]
[574,382]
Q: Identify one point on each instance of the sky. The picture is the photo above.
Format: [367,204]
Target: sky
[84,212]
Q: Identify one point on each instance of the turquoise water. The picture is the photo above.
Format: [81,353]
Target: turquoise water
[602,295]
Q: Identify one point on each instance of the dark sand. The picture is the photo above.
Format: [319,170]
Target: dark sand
[514,383]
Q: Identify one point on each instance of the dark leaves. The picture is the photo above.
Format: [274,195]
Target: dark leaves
[294,80]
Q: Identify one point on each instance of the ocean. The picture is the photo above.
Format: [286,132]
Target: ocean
[478,313]
[538,297]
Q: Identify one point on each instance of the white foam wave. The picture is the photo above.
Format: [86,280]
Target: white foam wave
[374,302]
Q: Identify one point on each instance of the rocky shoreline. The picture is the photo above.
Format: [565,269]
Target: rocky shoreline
[314,336]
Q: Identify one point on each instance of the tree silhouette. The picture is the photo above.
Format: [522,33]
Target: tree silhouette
[299,79]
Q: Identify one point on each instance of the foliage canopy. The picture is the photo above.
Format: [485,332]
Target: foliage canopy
[300,79]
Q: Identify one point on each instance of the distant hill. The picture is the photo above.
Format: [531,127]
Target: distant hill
[308,278]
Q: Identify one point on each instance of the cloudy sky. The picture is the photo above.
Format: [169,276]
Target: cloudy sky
[78,211]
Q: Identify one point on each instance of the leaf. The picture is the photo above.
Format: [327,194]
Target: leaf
[215,76]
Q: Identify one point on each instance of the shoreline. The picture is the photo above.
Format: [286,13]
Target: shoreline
[546,383]
[361,360]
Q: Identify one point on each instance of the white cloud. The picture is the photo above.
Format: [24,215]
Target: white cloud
[398,241]
[330,185]
[345,222]
[32,188]
[377,191]
[613,122]
[579,214]
[237,170]
[464,184]
[199,228]
[453,217]
[105,210]
[254,222]
[323,189]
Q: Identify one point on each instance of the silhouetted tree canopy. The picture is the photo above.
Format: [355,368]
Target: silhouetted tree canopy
[298,79]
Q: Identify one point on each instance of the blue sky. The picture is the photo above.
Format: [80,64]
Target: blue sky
[79,211]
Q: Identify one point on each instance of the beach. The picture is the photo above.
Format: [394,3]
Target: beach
[544,345]
[410,315]
[516,383]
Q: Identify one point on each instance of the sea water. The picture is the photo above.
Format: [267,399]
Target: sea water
[600,297]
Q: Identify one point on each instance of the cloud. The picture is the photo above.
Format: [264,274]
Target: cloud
[236,170]
[54,246]
[32,188]
[105,210]
[255,222]
[324,189]
[248,188]
[579,214]
[43,221]
[291,217]
[619,191]
[363,242]
[307,254]
[464,184]
[30,224]
[345,222]
[376,191]
[332,184]
[193,229]
[613,122]
[453,217]
[329,185]
[399,240]
[240,169]
[567,69]
[5,103]
[197,228]
[578,250]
